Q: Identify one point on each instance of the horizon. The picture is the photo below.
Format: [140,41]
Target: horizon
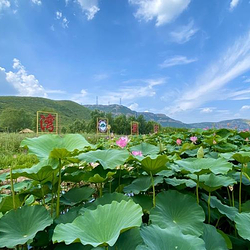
[189,60]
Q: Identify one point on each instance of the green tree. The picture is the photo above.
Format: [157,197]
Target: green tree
[14,120]
[78,126]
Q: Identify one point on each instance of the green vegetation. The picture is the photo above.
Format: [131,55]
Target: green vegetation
[175,190]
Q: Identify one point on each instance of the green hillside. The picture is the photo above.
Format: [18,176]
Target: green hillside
[68,111]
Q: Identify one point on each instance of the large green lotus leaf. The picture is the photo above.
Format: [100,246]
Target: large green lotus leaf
[43,145]
[246,206]
[146,148]
[157,238]
[242,157]
[166,173]
[224,147]
[242,221]
[39,172]
[19,226]
[213,239]
[212,182]
[174,209]
[128,240]
[142,184]
[230,212]
[224,133]
[77,195]
[155,164]
[205,165]
[101,226]
[109,159]
[177,182]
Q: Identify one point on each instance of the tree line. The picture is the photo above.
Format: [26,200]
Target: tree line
[14,120]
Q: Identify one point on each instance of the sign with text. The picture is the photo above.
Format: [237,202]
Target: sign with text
[47,122]
[134,128]
[102,125]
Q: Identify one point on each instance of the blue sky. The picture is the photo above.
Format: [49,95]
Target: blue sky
[188,59]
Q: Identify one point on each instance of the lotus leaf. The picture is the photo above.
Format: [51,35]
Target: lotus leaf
[155,164]
[177,182]
[242,157]
[19,226]
[146,149]
[157,238]
[101,226]
[213,239]
[109,159]
[142,184]
[174,209]
[205,165]
[43,145]
[242,221]
[230,212]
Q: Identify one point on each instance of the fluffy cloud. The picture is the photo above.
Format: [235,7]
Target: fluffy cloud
[64,20]
[233,4]
[184,33]
[176,60]
[89,7]
[38,2]
[245,107]
[23,83]
[206,110]
[161,10]
[4,4]
[233,63]
[133,106]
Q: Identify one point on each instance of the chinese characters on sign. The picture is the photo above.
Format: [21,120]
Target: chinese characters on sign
[47,122]
[134,128]
[156,128]
[102,125]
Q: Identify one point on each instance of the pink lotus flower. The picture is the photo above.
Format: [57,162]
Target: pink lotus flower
[135,153]
[193,139]
[247,139]
[122,142]
[178,142]
[214,142]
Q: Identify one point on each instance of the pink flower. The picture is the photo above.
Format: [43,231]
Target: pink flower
[178,142]
[122,142]
[193,139]
[135,153]
[214,142]
[247,139]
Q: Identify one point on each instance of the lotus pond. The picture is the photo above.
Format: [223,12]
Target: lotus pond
[184,191]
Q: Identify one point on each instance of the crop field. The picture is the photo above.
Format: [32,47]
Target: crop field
[185,190]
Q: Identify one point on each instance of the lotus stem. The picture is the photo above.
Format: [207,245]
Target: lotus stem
[233,197]
[229,197]
[100,190]
[120,173]
[52,198]
[59,189]
[153,185]
[43,196]
[240,189]
[197,189]
[208,206]
[12,189]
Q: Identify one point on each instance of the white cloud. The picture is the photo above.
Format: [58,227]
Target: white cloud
[176,60]
[4,4]
[206,110]
[238,95]
[38,2]
[233,4]
[164,11]
[233,63]
[133,106]
[89,7]
[245,107]
[65,22]
[58,15]
[25,84]
[184,33]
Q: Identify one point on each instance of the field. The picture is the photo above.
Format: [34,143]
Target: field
[183,190]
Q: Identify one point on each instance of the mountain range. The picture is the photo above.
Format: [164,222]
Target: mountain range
[70,111]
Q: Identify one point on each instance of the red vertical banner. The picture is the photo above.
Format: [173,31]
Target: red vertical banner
[134,128]
[47,122]
[156,128]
